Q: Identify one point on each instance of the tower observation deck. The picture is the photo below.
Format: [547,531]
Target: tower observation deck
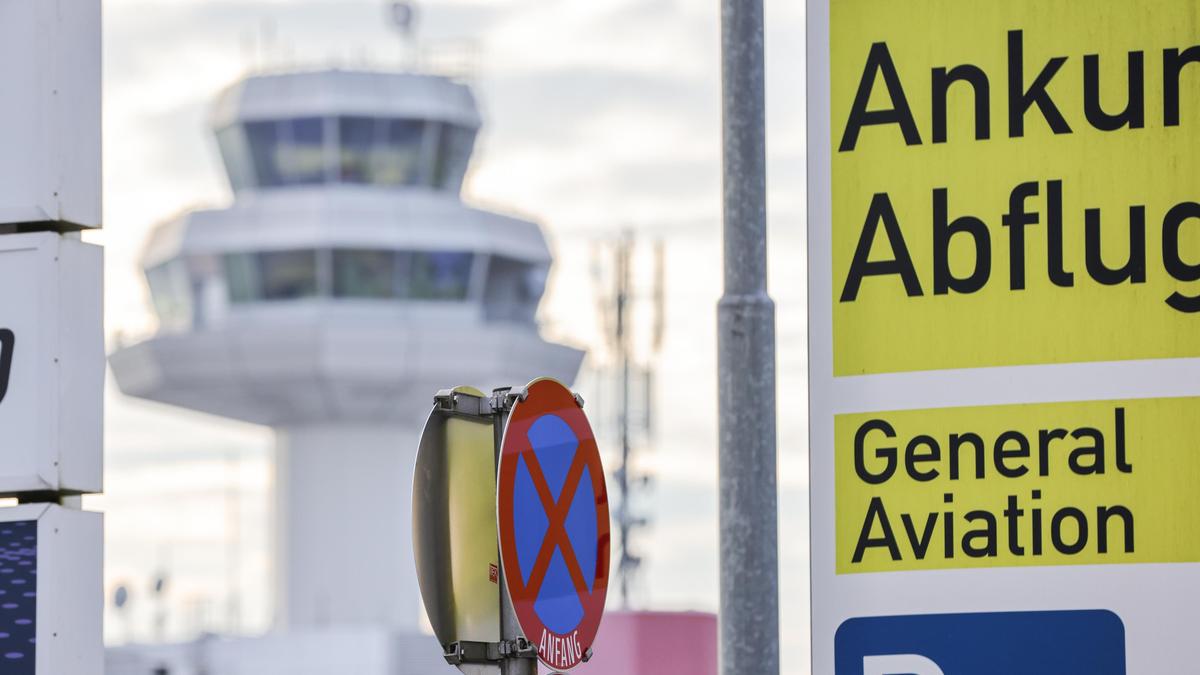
[346,283]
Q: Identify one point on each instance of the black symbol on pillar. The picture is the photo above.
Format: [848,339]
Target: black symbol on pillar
[7,340]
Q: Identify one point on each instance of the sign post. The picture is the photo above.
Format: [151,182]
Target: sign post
[510,627]
[1004,257]
[510,489]
[749,568]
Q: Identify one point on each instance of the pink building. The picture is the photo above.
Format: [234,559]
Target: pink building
[654,643]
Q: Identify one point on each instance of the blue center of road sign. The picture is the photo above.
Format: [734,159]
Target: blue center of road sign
[554,523]
[1075,642]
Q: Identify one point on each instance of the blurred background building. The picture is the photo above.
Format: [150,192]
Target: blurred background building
[347,282]
[601,118]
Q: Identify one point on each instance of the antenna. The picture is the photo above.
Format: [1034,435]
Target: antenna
[403,17]
[158,589]
[266,44]
[120,601]
[622,312]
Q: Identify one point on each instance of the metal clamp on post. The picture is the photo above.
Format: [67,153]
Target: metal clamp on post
[456,402]
[498,400]
[518,648]
[504,398]
[458,653]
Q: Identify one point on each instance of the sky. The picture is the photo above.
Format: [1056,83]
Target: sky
[599,116]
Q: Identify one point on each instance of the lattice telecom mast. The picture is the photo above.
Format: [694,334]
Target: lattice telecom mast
[632,353]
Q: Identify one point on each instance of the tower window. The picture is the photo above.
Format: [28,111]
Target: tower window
[272,275]
[365,273]
[454,152]
[379,151]
[440,275]
[360,150]
[288,152]
[382,274]
[170,293]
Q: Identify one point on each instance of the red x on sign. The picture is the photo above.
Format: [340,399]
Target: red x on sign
[556,538]
[552,508]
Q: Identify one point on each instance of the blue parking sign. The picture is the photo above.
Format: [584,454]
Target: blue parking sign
[1087,642]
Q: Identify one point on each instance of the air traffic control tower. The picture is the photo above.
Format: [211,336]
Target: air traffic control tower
[346,284]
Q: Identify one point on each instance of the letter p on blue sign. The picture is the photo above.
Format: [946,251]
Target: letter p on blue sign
[1080,642]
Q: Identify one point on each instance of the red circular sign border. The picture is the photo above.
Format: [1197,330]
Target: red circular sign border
[545,396]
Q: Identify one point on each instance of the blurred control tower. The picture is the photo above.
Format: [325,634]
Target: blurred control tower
[346,284]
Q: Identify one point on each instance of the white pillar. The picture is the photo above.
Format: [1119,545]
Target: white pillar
[343,526]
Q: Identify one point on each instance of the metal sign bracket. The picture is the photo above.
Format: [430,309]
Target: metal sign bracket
[504,398]
[453,402]
[489,652]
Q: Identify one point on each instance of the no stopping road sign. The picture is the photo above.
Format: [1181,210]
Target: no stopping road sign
[552,508]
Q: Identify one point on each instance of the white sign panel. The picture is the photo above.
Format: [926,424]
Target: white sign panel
[51,364]
[50,118]
[1004,310]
